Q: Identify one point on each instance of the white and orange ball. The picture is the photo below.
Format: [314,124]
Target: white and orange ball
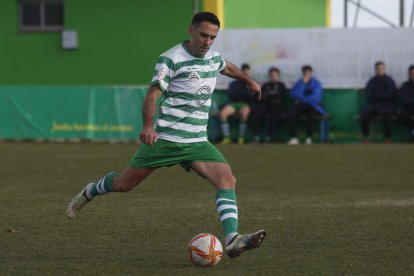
[205,250]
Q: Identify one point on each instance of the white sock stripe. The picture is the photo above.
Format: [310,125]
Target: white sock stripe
[100,181]
[98,188]
[102,187]
[228,215]
[99,185]
[226,206]
[224,199]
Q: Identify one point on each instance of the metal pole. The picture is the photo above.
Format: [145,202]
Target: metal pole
[412,16]
[346,13]
[357,13]
[373,13]
[402,13]
[195,6]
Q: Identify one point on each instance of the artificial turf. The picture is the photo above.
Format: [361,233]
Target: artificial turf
[328,210]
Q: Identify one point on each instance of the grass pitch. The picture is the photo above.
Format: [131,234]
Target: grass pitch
[328,209]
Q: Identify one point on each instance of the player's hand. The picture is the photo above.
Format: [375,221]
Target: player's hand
[148,136]
[255,88]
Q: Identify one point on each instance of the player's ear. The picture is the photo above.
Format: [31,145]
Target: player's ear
[191,30]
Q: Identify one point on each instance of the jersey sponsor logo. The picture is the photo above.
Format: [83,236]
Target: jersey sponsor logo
[202,95]
[194,76]
[211,65]
[162,73]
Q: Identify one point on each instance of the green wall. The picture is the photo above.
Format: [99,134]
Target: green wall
[119,42]
[274,13]
[114,113]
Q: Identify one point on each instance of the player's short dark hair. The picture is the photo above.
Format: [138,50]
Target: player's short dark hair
[306,68]
[200,17]
[411,68]
[245,66]
[378,63]
[274,69]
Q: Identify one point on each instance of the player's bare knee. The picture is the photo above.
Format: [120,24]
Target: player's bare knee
[233,181]
[228,181]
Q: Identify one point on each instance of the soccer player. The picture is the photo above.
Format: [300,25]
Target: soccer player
[185,76]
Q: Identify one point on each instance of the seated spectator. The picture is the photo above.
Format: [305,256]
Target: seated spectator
[239,102]
[307,97]
[270,108]
[406,102]
[380,93]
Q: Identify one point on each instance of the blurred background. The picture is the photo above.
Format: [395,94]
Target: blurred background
[79,70]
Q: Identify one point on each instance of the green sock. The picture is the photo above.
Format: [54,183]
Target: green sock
[227,209]
[225,128]
[102,186]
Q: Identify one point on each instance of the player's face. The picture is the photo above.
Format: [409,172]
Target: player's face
[202,37]
[412,75]
[380,70]
[274,76]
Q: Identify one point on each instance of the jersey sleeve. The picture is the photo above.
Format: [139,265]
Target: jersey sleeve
[222,64]
[164,72]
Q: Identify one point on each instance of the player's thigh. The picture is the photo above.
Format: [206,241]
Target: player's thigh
[244,111]
[227,111]
[219,174]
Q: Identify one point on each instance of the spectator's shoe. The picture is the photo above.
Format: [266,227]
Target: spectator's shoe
[365,141]
[388,141]
[293,141]
[77,203]
[308,141]
[241,141]
[241,243]
[226,141]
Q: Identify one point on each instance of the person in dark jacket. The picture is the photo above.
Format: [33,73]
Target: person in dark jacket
[380,92]
[239,102]
[406,102]
[270,108]
[307,97]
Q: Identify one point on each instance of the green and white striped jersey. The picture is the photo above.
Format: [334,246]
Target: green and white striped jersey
[187,83]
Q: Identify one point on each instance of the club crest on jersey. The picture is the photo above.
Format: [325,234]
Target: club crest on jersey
[194,76]
[203,95]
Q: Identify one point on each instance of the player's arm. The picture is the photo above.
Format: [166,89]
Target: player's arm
[148,135]
[234,72]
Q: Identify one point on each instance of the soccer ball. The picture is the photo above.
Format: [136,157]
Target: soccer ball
[205,250]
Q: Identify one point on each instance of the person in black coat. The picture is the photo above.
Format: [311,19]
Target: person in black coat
[380,92]
[406,102]
[239,103]
[270,108]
